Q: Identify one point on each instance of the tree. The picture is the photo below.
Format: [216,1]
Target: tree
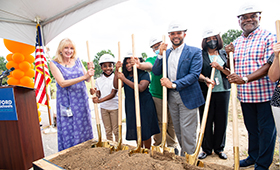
[3,68]
[84,63]
[230,36]
[97,67]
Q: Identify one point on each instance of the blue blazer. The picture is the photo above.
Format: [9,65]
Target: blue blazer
[188,71]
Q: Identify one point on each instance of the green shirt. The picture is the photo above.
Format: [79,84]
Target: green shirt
[155,86]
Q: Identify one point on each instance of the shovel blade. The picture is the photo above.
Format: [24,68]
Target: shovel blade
[138,150]
[163,153]
[101,144]
[192,160]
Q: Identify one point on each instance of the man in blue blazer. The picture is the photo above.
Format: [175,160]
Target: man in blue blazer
[184,65]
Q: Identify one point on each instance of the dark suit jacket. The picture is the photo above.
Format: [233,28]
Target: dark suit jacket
[188,71]
[206,70]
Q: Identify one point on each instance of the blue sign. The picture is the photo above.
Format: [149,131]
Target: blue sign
[7,104]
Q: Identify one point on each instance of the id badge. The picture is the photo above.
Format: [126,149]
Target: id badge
[217,81]
[69,112]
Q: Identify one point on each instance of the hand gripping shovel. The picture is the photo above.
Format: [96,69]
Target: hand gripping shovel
[119,145]
[99,143]
[137,108]
[192,159]
[234,117]
[161,148]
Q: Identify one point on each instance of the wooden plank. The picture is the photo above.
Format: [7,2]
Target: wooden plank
[45,164]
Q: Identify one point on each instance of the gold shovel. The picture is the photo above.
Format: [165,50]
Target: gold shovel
[161,148]
[99,143]
[234,117]
[137,108]
[192,159]
[119,145]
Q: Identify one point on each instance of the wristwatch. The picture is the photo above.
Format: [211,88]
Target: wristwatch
[245,79]
[174,86]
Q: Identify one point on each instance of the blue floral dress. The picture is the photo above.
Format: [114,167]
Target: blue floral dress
[74,128]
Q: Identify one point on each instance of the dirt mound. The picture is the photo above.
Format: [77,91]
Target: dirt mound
[85,157]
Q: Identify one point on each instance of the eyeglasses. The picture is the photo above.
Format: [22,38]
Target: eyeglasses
[155,47]
[253,16]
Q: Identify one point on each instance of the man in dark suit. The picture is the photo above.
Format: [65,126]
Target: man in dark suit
[184,65]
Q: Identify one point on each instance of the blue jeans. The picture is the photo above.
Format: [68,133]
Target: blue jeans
[259,121]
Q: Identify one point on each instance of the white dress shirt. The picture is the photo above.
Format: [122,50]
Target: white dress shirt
[173,60]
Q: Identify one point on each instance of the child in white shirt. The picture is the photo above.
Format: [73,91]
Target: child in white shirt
[107,96]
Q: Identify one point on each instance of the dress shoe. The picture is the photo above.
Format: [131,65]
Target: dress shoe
[176,151]
[202,155]
[222,155]
[245,163]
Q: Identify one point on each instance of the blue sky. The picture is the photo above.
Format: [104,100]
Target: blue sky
[145,18]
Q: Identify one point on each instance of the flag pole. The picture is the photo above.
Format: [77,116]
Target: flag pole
[51,129]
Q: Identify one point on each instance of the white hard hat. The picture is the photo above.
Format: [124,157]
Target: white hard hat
[154,40]
[176,26]
[106,58]
[247,8]
[209,32]
[130,54]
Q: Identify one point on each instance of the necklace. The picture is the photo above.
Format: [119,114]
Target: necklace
[69,62]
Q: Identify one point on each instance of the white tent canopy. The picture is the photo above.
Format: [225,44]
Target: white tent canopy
[18,18]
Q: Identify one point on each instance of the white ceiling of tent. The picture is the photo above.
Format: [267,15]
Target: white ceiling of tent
[18,17]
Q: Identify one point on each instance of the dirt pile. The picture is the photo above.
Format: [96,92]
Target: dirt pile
[85,157]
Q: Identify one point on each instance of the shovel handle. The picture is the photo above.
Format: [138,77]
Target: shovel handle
[207,102]
[119,88]
[277,23]
[234,110]
[136,91]
[94,95]
[164,89]
[91,78]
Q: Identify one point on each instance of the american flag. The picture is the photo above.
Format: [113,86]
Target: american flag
[40,67]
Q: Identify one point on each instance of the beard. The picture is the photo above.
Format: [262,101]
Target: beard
[178,44]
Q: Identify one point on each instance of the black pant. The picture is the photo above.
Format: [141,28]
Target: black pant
[215,130]
[259,121]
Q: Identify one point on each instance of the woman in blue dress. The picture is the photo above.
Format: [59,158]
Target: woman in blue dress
[73,113]
[149,122]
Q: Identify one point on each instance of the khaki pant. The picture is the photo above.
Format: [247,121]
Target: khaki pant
[110,121]
[170,132]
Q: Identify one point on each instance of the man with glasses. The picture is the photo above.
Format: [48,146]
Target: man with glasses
[251,51]
[184,65]
[156,91]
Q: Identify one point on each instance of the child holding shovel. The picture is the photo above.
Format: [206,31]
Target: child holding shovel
[149,122]
[107,96]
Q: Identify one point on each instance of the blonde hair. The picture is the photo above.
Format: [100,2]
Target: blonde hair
[63,43]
